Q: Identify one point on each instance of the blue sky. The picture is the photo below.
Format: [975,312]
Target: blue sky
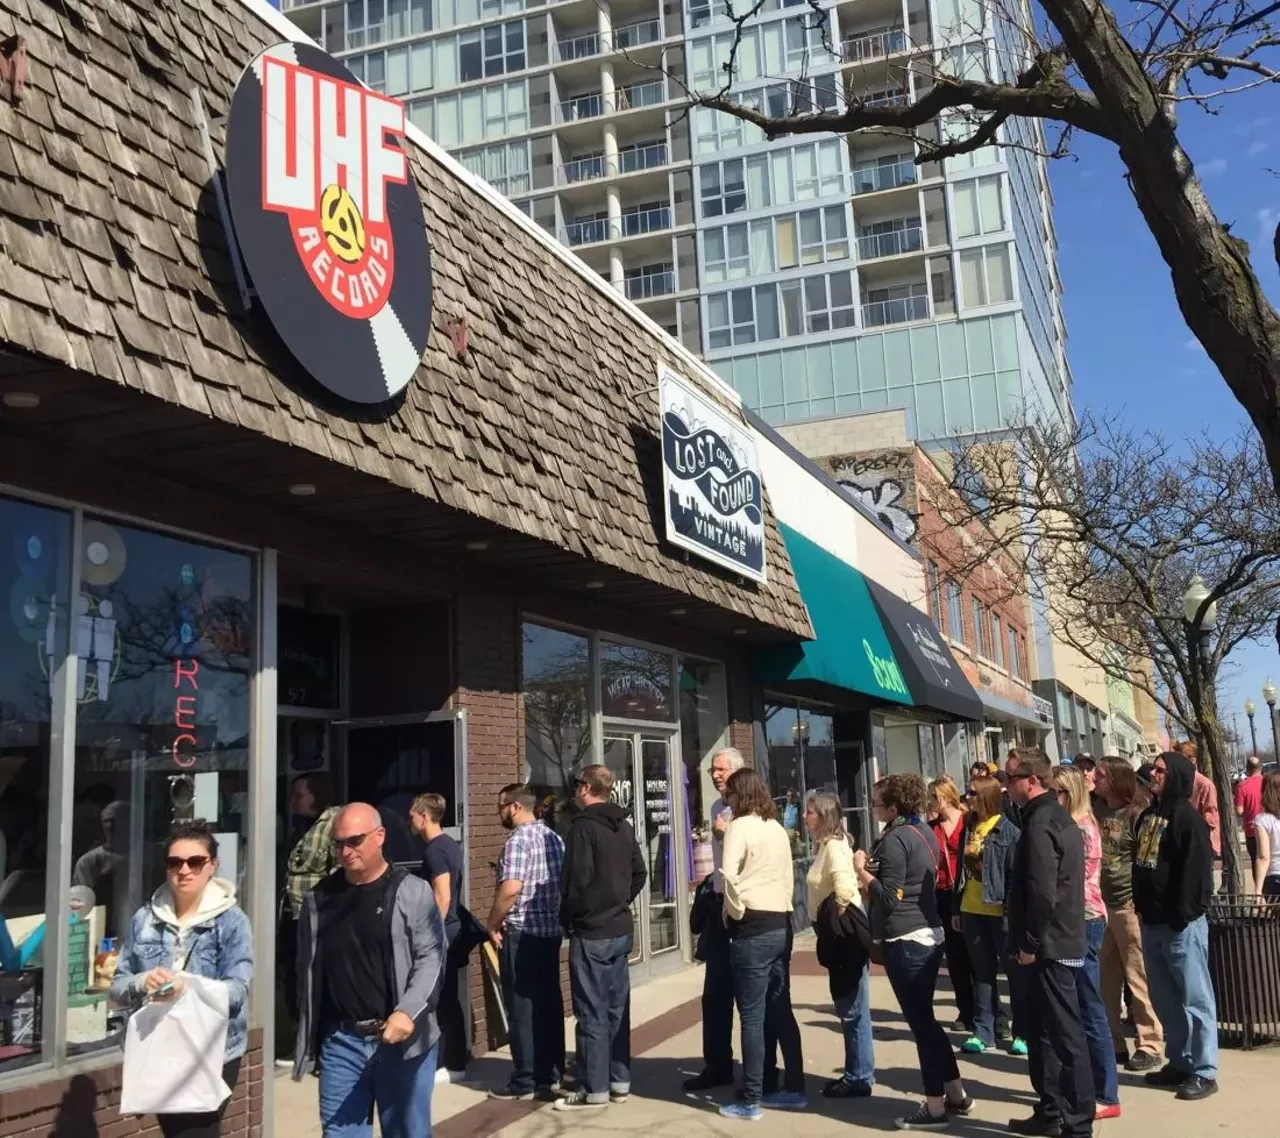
[1131,353]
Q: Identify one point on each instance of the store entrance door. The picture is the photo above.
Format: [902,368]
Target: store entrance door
[643,785]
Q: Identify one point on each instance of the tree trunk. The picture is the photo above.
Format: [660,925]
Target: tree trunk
[1219,770]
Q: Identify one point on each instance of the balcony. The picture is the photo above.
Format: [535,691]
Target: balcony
[893,244]
[585,232]
[647,157]
[648,285]
[580,107]
[894,98]
[626,37]
[651,93]
[641,221]
[579,47]
[873,45]
[634,223]
[873,176]
[880,313]
[589,169]
[582,170]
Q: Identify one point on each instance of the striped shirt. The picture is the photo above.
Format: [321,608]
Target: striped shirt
[534,856]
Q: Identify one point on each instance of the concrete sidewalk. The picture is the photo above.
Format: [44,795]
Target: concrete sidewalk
[667,1043]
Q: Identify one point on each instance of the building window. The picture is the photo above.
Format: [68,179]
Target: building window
[470,58]
[742,316]
[979,629]
[724,189]
[555,683]
[955,612]
[824,235]
[978,207]
[649,280]
[635,683]
[997,640]
[164,637]
[985,277]
[504,48]
[505,166]
[935,593]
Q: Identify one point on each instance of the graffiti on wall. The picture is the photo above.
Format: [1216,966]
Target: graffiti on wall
[884,482]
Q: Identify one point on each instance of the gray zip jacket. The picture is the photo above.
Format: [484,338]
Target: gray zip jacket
[417,948]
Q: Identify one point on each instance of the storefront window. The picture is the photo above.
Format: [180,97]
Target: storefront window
[635,683]
[35,560]
[163,632]
[557,719]
[704,724]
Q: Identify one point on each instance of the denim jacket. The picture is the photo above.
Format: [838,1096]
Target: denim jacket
[997,861]
[217,944]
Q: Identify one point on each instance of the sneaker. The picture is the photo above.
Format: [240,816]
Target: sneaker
[742,1111]
[1168,1076]
[508,1094]
[708,1080]
[1018,1047]
[1106,1110]
[923,1120]
[1197,1087]
[785,1100]
[1142,1061]
[846,1088]
[578,1101]
[962,1108]
[1003,1032]
[619,1096]
[960,1025]
[973,1046]
[1037,1125]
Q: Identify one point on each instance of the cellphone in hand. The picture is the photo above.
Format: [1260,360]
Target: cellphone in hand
[164,989]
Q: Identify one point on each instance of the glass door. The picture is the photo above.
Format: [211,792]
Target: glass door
[640,762]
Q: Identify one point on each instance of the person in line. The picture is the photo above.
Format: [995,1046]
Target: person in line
[1204,796]
[833,888]
[947,818]
[1046,930]
[758,886]
[371,949]
[1172,885]
[1248,803]
[1118,801]
[603,874]
[524,923]
[717,973]
[980,890]
[904,918]
[442,867]
[191,924]
[1073,794]
[1266,864]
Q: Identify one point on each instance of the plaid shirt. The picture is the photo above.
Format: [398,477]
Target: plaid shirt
[310,861]
[534,856]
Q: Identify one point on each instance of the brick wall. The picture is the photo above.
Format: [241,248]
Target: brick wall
[86,1105]
[843,434]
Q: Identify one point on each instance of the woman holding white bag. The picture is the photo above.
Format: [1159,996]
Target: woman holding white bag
[193,926]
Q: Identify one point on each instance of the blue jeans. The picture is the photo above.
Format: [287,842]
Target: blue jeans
[913,974]
[854,1010]
[1182,992]
[985,939]
[1097,1028]
[762,989]
[530,970]
[358,1073]
[600,984]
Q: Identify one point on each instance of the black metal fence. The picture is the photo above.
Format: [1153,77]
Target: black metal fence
[1244,960]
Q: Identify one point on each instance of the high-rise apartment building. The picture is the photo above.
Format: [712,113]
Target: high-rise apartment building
[819,275]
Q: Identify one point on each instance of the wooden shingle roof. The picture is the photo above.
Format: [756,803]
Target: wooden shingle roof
[112,262]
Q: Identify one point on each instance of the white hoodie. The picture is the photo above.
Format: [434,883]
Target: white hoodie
[219,896]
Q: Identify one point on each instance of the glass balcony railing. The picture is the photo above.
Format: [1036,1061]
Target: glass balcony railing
[882,99]
[581,107]
[871,177]
[579,47]
[874,45]
[881,312]
[647,94]
[634,223]
[637,34]
[629,161]
[892,244]
[583,169]
[650,285]
[642,221]
[642,157]
[585,232]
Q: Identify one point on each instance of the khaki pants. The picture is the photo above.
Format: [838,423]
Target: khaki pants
[1122,963]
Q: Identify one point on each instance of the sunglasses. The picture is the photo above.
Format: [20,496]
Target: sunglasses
[352,843]
[195,864]
[1019,777]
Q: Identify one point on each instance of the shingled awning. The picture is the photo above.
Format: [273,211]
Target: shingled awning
[113,266]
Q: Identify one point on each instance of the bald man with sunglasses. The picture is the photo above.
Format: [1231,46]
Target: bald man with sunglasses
[371,949]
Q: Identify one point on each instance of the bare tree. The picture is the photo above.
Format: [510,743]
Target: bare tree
[1073,66]
[1109,527]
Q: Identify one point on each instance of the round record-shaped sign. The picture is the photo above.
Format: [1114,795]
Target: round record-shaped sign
[328,220]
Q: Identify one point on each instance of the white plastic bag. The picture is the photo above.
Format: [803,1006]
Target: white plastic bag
[174,1052]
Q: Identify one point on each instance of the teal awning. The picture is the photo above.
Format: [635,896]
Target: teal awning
[851,650]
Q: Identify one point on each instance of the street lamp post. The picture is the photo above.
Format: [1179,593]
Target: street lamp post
[1198,623]
[1269,694]
[1249,708]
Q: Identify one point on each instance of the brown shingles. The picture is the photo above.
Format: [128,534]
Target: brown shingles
[532,430]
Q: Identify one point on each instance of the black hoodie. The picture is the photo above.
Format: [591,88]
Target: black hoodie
[1173,861]
[603,873]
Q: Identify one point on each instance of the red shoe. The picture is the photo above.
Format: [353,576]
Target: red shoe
[1107,1110]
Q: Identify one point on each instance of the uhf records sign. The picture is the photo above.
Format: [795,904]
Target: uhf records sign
[328,220]
[711,478]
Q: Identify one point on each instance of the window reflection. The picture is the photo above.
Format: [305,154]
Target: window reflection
[163,632]
[556,672]
[35,560]
[704,726]
[635,683]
